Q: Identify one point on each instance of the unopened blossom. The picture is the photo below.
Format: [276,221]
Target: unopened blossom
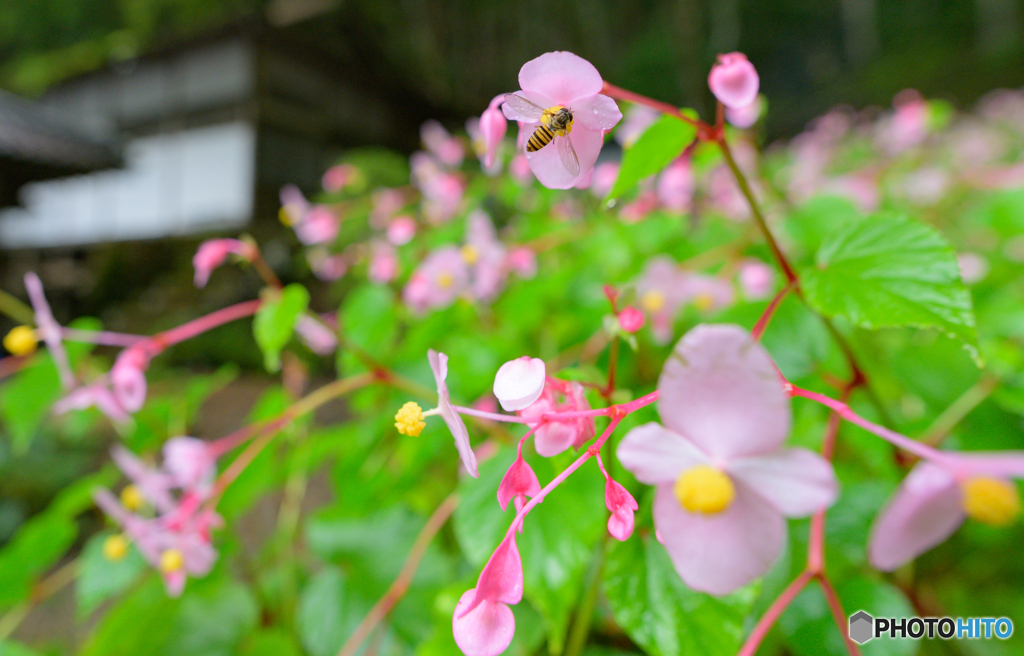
[190,462]
[128,378]
[319,338]
[401,230]
[383,262]
[483,623]
[622,506]
[744,117]
[631,319]
[438,281]
[554,437]
[442,144]
[211,254]
[973,267]
[493,127]
[439,365]
[520,382]
[562,79]
[518,483]
[724,481]
[734,80]
[675,185]
[936,497]
[48,330]
[756,280]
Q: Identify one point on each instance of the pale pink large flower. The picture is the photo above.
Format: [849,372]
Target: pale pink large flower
[562,79]
[439,365]
[724,481]
[936,497]
[438,281]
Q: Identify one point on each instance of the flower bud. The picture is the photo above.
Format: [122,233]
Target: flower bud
[734,80]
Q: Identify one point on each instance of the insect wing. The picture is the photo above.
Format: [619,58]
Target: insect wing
[568,155]
[524,107]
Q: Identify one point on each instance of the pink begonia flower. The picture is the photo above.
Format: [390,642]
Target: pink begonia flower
[622,505]
[523,261]
[439,365]
[339,176]
[383,262]
[443,197]
[724,481]
[756,280]
[638,119]
[486,256]
[605,175]
[154,484]
[631,319]
[493,127]
[442,144]
[319,338]
[326,265]
[907,127]
[734,80]
[675,185]
[483,624]
[707,293]
[128,378]
[562,79]
[936,497]
[401,230]
[48,329]
[520,382]
[438,281]
[744,117]
[660,293]
[555,437]
[973,267]
[211,254]
[518,483]
[519,167]
[319,225]
[189,462]
[385,204]
[96,395]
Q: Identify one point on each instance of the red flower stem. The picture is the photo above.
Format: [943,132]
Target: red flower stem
[769,311]
[613,358]
[185,331]
[773,613]
[665,108]
[844,411]
[264,269]
[837,613]
[611,411]
[101,337]
[401,583]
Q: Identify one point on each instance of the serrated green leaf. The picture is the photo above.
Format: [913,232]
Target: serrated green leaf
[887,271]
[660,613]
[275,322]
[661,143]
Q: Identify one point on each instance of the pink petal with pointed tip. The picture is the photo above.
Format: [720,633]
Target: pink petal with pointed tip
[562,76]
[925,510]
[721,390]
[656,455]
[486,630]
[797,482]
[439,365]
[547,164]
[518,383]
[596,113]
[720,553]
[622,505]
[520,479]
[502,576]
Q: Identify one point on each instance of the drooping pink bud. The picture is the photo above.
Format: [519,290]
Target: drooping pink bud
[519,382]
[734,80]
[622,506]
[319,338]
[631,319]
[502,576]
[211,254]
[128,380]
[493,126]
[519,482]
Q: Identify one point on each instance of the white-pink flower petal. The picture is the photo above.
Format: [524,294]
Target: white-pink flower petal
[797,482]
[657,456]
[439,365]
[562,76]
[519,382]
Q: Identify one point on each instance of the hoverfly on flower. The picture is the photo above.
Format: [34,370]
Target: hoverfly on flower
[555,125]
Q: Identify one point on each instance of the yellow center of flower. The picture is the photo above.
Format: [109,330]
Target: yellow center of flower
[131,498]
[21,341]
[991,500]
[285,217]
[470,254]
[409,419]
[115,547]
[652,301]
[703,301]
[445,280]
[704,489]
[171,561]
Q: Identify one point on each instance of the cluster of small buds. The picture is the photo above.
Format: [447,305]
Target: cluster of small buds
[162,511]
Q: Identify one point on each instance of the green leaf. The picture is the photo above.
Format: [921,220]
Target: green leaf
[270,642]
[212,619]
[275,323]
[26,400]
[654,150]
[99,578]
[660,613]
[327,615]
[887,271]
[369,321]
[15,649]
[139,624]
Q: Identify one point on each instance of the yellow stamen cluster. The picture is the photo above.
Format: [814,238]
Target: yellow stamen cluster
[115,547]
[703,301]
[445,280]
[21,341]
[704,489]
[171,561]
[131,498]
[409,419]
[470,254]
[652,301]
[991,500]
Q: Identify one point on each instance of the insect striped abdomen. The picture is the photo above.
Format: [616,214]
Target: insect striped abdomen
[541,137]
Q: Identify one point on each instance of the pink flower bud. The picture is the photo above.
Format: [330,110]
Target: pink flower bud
[189,462]
[338,176]
[401,230]
[519,382]
[622,505]
[605,175]
[734,80]
[756,280]
[319,225]
[493,127]
[319,338]
[383,263]
[523,261]
[631,319]
[744,117]
[128,380]
[519,482]
[487,630]
[211,254]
